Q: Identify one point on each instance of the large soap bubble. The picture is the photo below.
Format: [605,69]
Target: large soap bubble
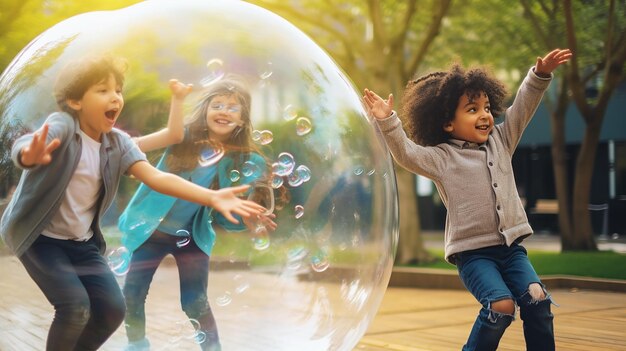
[317,281]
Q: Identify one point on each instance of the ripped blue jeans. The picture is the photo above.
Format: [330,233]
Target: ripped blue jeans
[498,273]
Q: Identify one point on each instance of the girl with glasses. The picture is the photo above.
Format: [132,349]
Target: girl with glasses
[211,150]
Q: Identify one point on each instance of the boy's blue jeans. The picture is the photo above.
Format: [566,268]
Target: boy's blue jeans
[193,270]
[77,281]
[497,273]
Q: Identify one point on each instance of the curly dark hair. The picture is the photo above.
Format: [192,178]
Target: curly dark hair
[430,102]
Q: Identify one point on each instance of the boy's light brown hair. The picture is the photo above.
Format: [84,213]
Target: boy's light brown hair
[78,76]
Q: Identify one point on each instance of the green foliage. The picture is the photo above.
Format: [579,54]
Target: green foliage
[598,264]
[23,20]
[486,33]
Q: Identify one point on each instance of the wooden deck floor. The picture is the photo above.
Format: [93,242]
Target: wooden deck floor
[408,319]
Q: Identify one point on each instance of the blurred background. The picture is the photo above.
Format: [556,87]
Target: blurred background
[570,166]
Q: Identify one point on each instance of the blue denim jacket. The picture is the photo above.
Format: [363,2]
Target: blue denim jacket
[147,208]
[41,188]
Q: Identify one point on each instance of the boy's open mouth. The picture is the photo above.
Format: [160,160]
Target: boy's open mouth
[110,114]
[483,127]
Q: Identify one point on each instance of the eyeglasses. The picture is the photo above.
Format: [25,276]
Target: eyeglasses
[228,108]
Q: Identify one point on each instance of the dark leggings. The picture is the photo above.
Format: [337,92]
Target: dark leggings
[193,270]
[77,281]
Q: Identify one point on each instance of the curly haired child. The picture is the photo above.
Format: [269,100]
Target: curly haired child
[452,139]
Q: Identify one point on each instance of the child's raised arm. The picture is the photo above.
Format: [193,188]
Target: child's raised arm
[38,152]
[175,130]
[223,200]
[545,65]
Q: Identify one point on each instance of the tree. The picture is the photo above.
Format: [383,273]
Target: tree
[599,65]
[530,28]
[608,70]
[22,20]
[545,19]
[380,45]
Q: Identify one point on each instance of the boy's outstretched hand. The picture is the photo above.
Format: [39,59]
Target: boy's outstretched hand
[376,106]
[545,65]
[226,202]
[38,152]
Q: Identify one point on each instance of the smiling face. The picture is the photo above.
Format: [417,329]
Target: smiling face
[473,120]
[99,107]
[223,116]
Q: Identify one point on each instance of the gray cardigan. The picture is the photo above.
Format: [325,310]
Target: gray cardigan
[475,182]
[41,188]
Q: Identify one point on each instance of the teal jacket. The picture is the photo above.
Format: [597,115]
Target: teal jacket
[146,209]
[41,189]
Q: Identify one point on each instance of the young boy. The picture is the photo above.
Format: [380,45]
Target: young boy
[72,168]
[449,117]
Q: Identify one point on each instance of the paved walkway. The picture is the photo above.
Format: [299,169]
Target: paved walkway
[408,319]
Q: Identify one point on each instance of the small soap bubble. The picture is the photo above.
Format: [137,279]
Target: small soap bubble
[240,289]
[184,329]
[277,181]
[215,69]
[261,241]
[319,262]
[224,299]
[256,135]
[234,175]
[294,179]
[304,173]
[290,113]
[297,253]
[249,169]
[299,211]
[303,126]
[119,260]
[209,157]
[199,337]
[295,256]
[284,165]
[266,137]
[265,74]
[184,238]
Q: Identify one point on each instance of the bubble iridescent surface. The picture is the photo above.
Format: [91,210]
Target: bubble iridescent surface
[304,269]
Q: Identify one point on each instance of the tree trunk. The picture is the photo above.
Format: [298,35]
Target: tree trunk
[583,239]
[559,164]
[410,244]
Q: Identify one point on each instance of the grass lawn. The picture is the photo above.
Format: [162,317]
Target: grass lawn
[600,264]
